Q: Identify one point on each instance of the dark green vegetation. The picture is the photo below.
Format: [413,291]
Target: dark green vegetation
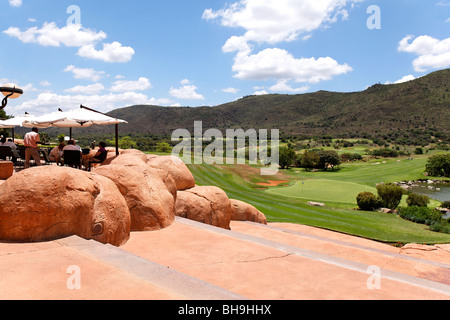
[439,165]
[411,113]
[427,216]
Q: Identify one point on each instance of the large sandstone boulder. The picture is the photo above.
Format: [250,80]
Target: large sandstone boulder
[149,192]
[48,203]
[177,169]
[242,211]
[6,170]
[205,204]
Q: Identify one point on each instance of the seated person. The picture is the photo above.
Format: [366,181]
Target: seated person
[57,154]
[71,146]
[99,157]
[10,144]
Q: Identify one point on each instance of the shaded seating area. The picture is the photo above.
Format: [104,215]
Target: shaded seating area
[72,158]
[10,154]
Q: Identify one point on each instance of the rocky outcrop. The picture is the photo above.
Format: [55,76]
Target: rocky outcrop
[242,211]
[175,167]
[151,205]
[209,205]
[47,203]
[129,192]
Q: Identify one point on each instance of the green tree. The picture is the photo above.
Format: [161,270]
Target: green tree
[163,147]
[328,159]
[287,157]
[390,194]
[45,137]
[309,160]
[61,137]
[439,165]
[127,143]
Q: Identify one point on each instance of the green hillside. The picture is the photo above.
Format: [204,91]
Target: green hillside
[412,111]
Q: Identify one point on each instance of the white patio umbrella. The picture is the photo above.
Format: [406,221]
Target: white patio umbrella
[80,118]
[15,122]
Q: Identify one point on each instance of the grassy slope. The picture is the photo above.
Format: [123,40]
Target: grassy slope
[376,226]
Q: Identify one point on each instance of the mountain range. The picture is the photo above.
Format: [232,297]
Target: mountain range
[407,111]
[418,106]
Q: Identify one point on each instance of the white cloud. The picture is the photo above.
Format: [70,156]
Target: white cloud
[124,86]
[45,83]
[260,93]
[15,3]
[433,53]
[230,90]
[279,64]
[51,35]
[282,86]
[92,89]
[74,35]
[443,4]
[50,102]
[405,79]
[186,91]
[273,21]
[87,74]
[112,52]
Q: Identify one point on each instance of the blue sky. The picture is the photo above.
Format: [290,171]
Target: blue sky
[113,54]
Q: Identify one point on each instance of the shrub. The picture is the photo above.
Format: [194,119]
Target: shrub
[390,194]
[384,153]
[439,166]
[367,201]
[445,204]
[423,215]
[418,200]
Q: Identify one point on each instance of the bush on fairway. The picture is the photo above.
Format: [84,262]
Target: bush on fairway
[367,201]
[427,216]
[391,195]
[418,200]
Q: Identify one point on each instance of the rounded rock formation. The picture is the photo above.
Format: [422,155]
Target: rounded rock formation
[49,203]
[205,204]
[242,211]
[177,169]
[149,193]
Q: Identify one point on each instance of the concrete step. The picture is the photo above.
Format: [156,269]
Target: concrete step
[74,268]
[275,263]
[194,261]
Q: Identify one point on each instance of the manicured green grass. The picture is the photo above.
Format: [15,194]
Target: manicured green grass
[322,190]
[280,208]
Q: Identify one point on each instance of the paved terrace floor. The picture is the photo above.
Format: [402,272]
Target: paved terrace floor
[193,261]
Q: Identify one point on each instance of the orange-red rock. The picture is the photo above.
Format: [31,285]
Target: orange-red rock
[242,211]
[177,169]
[205,204]
[6,170]
[151,204]
[48,203]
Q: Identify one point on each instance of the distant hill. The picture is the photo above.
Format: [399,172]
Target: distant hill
[415,107]
[400,112]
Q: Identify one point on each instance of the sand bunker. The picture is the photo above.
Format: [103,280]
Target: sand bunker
[273,183]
